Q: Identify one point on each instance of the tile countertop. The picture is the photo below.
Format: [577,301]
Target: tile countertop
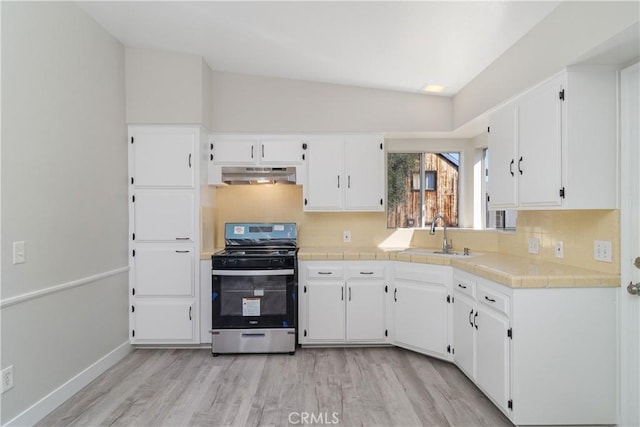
[509,270]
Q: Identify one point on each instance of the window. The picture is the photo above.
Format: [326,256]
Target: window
[421,186]
[500,219]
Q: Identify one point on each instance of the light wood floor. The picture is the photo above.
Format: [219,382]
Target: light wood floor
[363,386]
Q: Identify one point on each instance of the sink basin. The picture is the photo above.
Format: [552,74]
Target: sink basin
[431,252]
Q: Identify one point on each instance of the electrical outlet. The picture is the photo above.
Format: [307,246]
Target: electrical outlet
[559,249]
[534,245]
[602,250]
[346,236]
[19,255]
[7,378]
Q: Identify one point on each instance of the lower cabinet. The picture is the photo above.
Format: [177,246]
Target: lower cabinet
[342,302]
[420,308]
[164,321]
[481,336]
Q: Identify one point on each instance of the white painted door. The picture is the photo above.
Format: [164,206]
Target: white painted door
[630,243]
[325,180]
[280,151]
[163,320]
[163,271]
[235,151]
[463,333]
[326,306]
[164,158]
[492,354]
[365,310]
[364,170]
[538,165]
[420,316]
[503,139]
[163,215]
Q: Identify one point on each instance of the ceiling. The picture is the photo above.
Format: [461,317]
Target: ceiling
[387,45]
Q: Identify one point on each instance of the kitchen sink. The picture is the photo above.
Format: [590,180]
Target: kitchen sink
[431,252]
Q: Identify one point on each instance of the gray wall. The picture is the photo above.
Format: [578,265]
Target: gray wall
[243,103]
[571,31]
[64,192]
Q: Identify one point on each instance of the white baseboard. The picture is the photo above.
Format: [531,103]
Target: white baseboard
[44,406]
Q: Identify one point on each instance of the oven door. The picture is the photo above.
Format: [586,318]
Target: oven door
[253,299]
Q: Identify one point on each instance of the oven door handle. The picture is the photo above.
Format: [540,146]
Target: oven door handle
[284,272]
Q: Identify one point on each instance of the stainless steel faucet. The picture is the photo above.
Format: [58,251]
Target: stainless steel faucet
[446,245]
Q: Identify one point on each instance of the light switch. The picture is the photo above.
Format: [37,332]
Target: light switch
[534,245]
[19,255]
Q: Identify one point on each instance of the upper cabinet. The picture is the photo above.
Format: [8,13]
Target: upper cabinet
[163,158]
[277,151]
[555,146]
[345,173]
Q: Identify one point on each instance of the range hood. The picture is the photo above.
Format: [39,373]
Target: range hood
[236,175]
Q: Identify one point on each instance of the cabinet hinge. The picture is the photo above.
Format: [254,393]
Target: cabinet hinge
[386,332]
[510,404]
[386,289]
[510,333]
[132,140]
[305,202]
[133,291]
[561,95]
[562,193]
[381,146]
[133,253]
[132,181]
[304,289]
[449,299]
[133,199]
[303,158]
[488,129]
[305,332]
[488,197]
[304,145]
[134,236]
[381,202]
[133,333]
[448,349]
[133,308]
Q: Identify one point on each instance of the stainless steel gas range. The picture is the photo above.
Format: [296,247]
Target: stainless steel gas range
[254,288]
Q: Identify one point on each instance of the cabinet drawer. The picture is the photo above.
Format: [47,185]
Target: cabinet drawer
[328,272]
[464,286]
[365,272]
[493,299]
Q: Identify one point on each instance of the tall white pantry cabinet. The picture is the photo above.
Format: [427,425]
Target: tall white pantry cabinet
[164,181]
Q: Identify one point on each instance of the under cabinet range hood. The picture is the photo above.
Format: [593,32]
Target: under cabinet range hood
[237,175]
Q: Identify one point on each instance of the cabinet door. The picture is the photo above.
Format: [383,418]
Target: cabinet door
[365,310]
[364,169]
[420,317]
[463,334]
[164,158]
[540,151]
[161,215]
[502,166]
[492,355]
[163,321]
[280,151]
[326,318]
[165,271]
[235,151]
[323,189]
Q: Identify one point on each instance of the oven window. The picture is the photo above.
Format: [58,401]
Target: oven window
[253,295]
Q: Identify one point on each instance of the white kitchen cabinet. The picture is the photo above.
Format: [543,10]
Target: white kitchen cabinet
[345,173]
[234,151]
[342,302]
[256,150]
[280,151]
[421,308]
[561,150]
[163,213]
[166,270]
[482,336]
[163,157]
[163,321]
